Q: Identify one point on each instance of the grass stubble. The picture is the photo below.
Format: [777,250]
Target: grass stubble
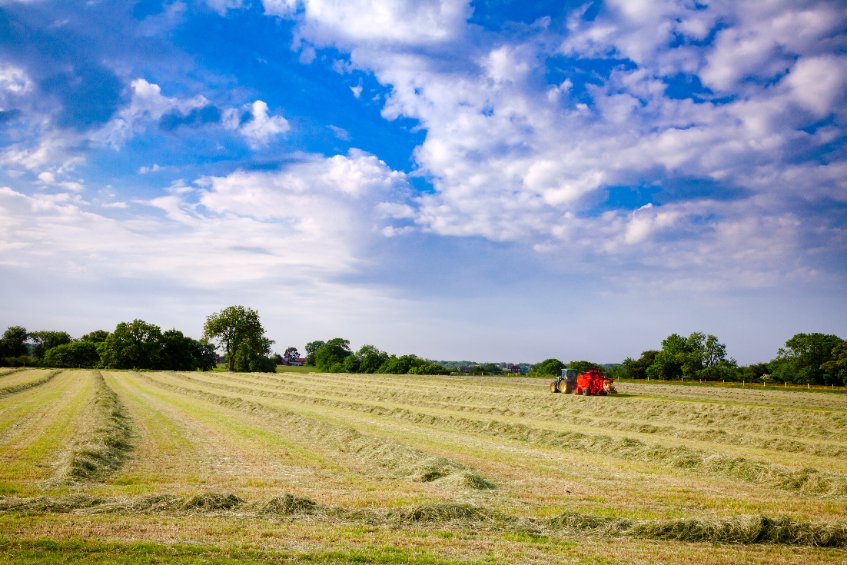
[391,431]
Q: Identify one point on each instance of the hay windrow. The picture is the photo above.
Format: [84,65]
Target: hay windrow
[289,505]
[741,530]
[4,391]
[10,371]
[808,480]
[442,512]
[212,501]
[106,442]
[395,458]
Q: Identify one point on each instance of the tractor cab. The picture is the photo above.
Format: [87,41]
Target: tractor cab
[566,382]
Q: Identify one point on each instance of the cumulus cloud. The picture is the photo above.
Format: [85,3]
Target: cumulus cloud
[515,156]
[313,220]
[255,124]
[148,106]
[401,22]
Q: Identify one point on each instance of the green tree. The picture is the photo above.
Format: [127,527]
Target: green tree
[370,359]
[802,359]
[402,365]
[291,354]
[637,368]
[428,368]
[97,336]
[75,354]
[239,333]
[332,353]
[45,340]
[836,368]
[550,367]
[311,347]
[697,356]
[182,353]
[133,345]
[13,342]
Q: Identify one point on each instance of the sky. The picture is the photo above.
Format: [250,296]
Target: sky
[488,180]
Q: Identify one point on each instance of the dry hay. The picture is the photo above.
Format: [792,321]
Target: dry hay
[211,501]
[104,446]
[4,391]
[397,459]
[289,505]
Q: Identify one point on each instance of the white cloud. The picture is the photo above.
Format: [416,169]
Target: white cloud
[353,22]
[311,222]
[260,128]
[223,6]
[515,159]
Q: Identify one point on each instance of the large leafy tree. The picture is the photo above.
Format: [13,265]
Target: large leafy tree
[551,367]
[637,368]
[311,348]
[330,356]
[45,340]
[836,368]
[803,358]
[239,333]
[97,336]
[697,356]
[133,345]
[182,353]
[13,342]
[370,359]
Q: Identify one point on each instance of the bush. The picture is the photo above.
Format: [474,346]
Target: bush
[75,354]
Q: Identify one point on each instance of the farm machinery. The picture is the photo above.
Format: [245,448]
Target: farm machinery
[590,383]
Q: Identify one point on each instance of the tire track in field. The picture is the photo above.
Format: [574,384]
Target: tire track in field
[394,458]
[700,432]
[807,480]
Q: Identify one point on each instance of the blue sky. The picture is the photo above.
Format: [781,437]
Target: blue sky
[461,180]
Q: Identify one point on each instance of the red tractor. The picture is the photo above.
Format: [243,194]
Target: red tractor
[590,383]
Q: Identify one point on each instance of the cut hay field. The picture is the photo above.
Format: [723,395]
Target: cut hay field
[116,466]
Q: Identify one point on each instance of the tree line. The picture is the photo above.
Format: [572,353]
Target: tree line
[335,356]
[806,358]
[236,330]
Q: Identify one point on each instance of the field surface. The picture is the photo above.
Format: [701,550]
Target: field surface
[116,466]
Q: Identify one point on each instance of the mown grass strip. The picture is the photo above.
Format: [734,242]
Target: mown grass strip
[11,371]
[4,391]
[806,480]
[742,530]
[398,459]
[105,445]
[260,386]
[91,551]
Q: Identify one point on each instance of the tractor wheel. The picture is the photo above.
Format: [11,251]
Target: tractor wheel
[554,387]
[563,386]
